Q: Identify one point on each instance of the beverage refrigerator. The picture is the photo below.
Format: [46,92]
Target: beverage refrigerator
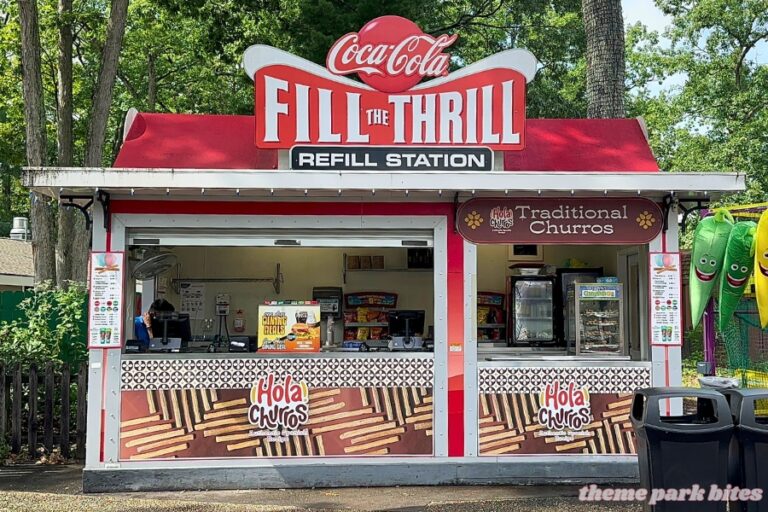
[530,315]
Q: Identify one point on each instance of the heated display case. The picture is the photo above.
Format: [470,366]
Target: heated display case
[531,308]
[600,319]
[565,305]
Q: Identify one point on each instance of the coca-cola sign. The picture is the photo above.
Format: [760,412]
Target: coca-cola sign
[630,220]
[391,54]
[298,102]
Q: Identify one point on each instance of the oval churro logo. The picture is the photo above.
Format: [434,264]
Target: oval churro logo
[276,404]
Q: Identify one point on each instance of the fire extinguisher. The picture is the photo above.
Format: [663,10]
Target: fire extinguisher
[239,322]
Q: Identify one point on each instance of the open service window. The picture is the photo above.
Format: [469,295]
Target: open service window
[281,291]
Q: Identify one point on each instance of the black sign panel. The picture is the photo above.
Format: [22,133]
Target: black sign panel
[389,158]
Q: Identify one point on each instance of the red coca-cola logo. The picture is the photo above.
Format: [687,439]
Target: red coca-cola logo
[390,54]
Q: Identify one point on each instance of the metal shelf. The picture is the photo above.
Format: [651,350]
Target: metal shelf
[366,324]
[491,326]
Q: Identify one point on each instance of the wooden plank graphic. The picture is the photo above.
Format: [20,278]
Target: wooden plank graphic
[214,423]
[508,424]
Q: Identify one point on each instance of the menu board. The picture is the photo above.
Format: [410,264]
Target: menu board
[105,304]
[293,327]
[665,307]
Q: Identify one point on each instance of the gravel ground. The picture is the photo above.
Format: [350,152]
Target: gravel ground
[42,502]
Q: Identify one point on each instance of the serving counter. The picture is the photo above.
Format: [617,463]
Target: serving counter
[552,403]
[184,406]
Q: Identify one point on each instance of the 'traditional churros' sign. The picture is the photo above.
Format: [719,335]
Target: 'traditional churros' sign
[631,220]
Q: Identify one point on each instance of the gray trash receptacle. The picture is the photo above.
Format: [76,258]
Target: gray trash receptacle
[677,452]
[749,449]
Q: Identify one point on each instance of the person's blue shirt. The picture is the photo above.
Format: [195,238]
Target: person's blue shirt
[140,330]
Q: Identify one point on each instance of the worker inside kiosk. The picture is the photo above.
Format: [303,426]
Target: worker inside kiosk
[283,299]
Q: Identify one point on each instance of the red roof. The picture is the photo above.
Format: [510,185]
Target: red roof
[588,145]
[227,142]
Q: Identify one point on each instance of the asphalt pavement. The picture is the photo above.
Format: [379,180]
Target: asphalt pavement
[55,488]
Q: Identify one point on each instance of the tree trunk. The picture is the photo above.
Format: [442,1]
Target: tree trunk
[7,207]
[102,98]
[64,138]
[604,28]
[152,83]
[41,212]
[97,130]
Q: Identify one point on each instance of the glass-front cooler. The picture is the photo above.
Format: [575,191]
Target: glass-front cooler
[531,310]
[600,319]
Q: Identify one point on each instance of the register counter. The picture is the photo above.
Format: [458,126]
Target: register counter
[549,403]
[245,405]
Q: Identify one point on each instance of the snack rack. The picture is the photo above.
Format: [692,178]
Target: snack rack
[491,315]
[365,317]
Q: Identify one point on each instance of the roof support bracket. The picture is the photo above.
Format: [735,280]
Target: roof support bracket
[666,205]
[70,203]
[698,205]
[104,198]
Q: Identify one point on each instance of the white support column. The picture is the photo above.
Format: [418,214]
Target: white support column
[95,362]
[470,351]
[440,390]
[112,361]
[667,366]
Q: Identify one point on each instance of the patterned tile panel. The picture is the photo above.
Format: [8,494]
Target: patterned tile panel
[532,379]
[242,373]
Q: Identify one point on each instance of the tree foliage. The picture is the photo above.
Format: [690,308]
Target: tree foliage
[704,95]
[51,327]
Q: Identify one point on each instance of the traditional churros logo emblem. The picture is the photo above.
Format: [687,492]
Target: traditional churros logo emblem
[564,407]
[276,404]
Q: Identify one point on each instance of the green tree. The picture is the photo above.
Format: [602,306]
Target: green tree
[715,118]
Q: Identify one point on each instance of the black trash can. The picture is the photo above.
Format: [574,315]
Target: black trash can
[749,449]
[688,451]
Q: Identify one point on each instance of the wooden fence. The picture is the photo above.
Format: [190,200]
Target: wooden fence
[44,408]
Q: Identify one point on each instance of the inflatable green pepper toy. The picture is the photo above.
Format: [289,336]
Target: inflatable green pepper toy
[709,243]
[737,267]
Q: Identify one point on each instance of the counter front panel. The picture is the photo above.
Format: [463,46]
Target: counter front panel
[276,407]
[549,409]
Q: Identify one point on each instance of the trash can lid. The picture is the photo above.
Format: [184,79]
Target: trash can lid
[646,409]
[743,406]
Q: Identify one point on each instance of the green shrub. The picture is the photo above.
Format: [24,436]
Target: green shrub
[51,327]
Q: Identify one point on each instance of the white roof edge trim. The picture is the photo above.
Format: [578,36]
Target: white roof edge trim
[517,59]
[130,117]
[365,180]
[260,56]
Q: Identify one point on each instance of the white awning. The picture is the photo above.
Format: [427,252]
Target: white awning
[57,182]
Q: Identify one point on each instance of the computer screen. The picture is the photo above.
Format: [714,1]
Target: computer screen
[178,326]
[406,322]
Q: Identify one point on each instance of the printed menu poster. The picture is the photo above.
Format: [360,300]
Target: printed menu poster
[289,327]
[192,298]
[105,304]
[666,306]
